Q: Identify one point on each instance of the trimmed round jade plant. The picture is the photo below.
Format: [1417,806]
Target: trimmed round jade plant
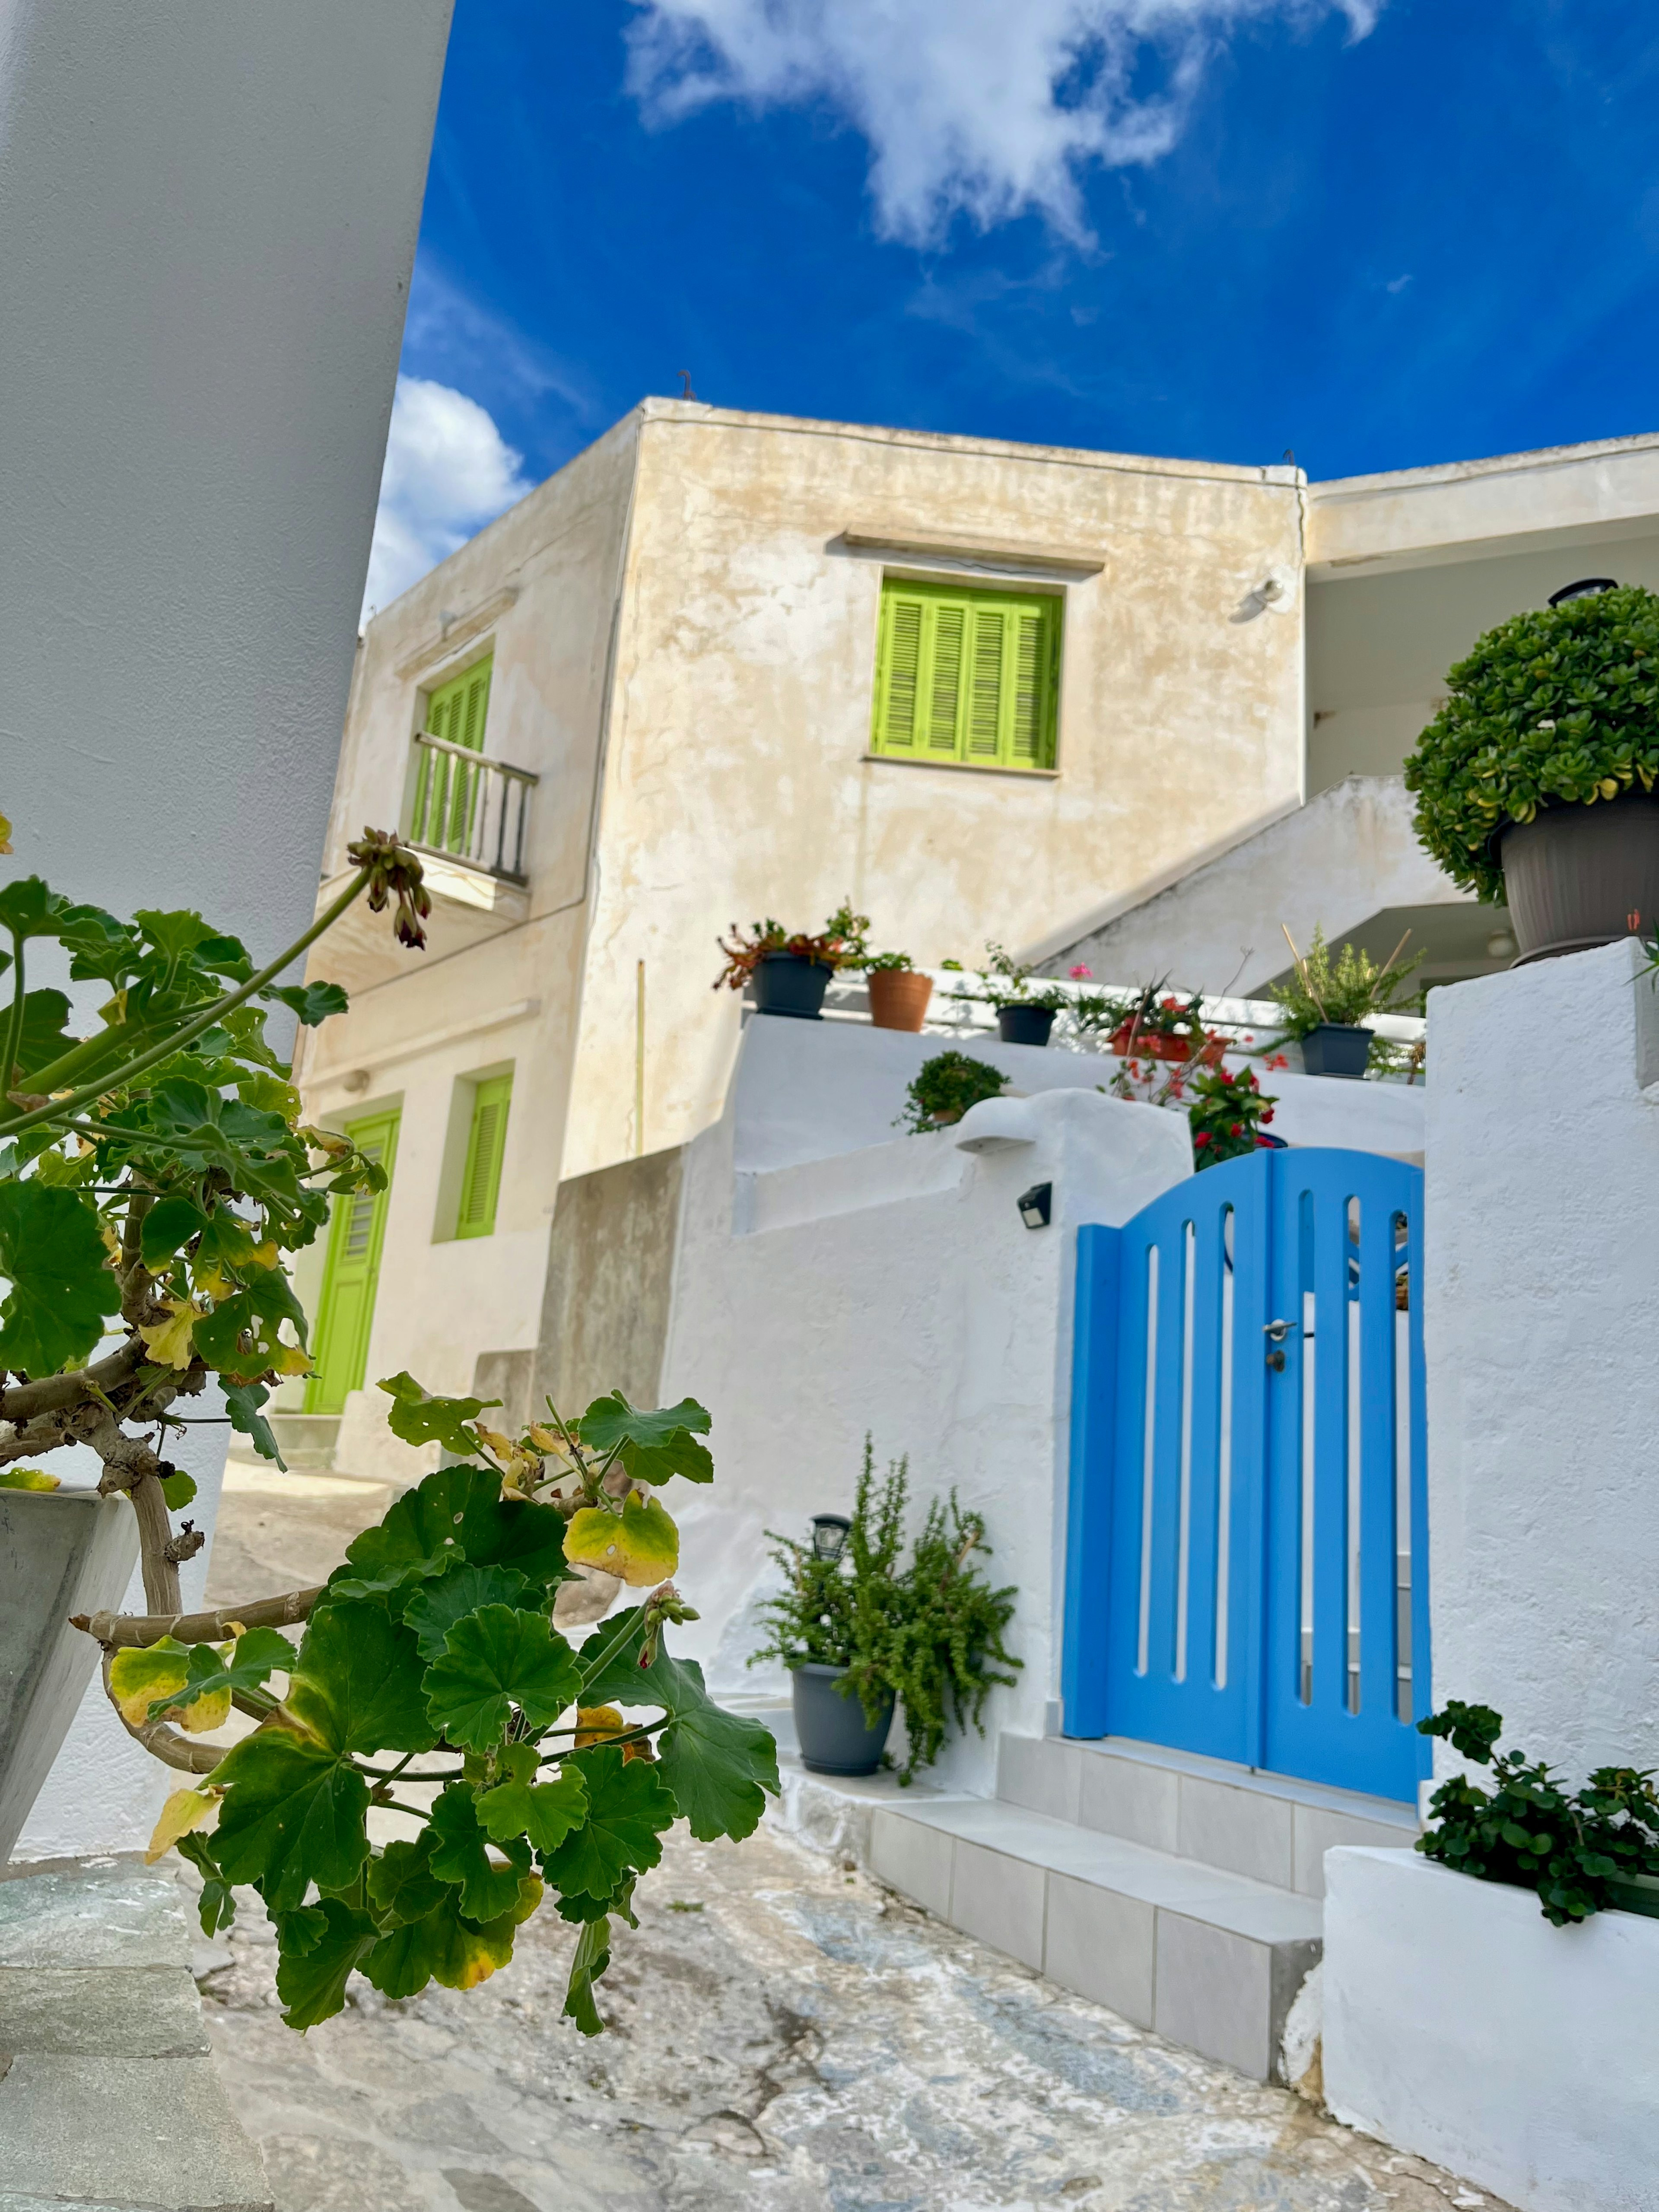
[153,1176]
[1556,707]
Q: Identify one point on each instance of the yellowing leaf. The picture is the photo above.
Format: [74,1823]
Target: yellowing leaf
[640,1543]
[168,1341]
[183,1810]
[595,1722]
[292,1359]
[137,1677]
[5,835]
[27,1478]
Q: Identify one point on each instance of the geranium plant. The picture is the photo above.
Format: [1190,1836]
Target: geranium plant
[1558,706]
[153,1176]
[1226,1114]
[839,943]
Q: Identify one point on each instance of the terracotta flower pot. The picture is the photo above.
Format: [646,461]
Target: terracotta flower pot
[898,998]
[1151,1044]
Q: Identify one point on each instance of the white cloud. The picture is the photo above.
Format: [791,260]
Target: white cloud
[989,108]
[448,471]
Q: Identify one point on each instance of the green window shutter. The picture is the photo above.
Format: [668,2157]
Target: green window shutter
[445,794]
[481,1179]
[967,677]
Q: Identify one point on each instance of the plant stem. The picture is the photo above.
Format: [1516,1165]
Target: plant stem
[60,1109]
[14,1026]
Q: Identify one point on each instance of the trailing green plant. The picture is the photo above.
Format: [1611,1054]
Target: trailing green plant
[1227,1111]
[1558,706]
[1345,988]
[1575,1848]
[1004,982]
[928,1634]
[153,1176]
[943,1088]
[839,943]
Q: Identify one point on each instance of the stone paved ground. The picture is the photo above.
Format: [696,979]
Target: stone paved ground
[786,2036]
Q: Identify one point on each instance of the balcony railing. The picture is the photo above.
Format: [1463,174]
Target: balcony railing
[470,809]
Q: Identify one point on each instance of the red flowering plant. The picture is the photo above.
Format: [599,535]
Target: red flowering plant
[1227,1113]
[839,943]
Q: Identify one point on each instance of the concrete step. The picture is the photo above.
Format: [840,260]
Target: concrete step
[306,1440]
[1267,1827]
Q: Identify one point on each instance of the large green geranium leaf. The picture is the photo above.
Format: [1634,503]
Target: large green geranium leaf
[311,1002]
[243,1402]
[593,1956]
[250,1660]
[217,1906]
[460,1514]
[312,1981]
[61,1284]
[402,1885]
[542,1812]
[494,1659]
[460,1856]
[419,1418]
[293,1814]
[434,1609]
[46,1014]
[443,1946]
[357,1681]
[720,1765]
[627,1809]
[654,1446]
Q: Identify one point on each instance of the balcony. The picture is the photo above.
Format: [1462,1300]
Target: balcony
[469,811]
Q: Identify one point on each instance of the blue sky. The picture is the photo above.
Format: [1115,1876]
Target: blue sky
[1376,231]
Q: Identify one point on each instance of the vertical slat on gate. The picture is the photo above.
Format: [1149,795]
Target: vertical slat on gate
[1253,1294]
[1165,1542]
[1378,1656]
[1204,1494]
[1330,1469]
[1422,1680]
[1096,1314]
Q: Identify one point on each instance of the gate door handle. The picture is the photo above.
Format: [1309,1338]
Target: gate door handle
[1276,1332]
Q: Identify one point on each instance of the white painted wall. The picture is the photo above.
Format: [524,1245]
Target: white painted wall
[833,1278]
[208,216]
[1459,2024]
[1541,1301]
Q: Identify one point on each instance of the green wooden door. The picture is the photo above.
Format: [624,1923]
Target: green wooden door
[351,1273]
[446,790]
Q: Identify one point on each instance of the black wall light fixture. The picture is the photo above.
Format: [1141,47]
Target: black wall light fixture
[829,1534]
[1036,1205]
[1585,588]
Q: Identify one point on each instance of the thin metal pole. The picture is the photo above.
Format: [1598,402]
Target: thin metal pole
[638,1058]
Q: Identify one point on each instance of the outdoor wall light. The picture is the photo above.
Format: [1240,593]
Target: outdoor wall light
[830,1532]
[1036,1205]
[1585,588]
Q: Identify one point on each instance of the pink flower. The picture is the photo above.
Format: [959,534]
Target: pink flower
[1082,971]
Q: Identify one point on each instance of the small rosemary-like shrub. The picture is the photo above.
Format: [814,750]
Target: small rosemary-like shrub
[1344,988]
[943,1088]
[929,1634]
[1573,1848]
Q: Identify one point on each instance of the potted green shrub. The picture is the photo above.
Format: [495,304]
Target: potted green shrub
[1534,783]
[1025,1012]
[1326,1007]
[898,991]
[791,973]
[943,1088]
[154,1175]
[859,1631]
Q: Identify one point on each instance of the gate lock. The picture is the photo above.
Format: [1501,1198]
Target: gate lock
[1276,1332]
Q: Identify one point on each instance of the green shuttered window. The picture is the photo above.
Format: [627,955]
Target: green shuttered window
[446,790]
[967,678]
[481,1179]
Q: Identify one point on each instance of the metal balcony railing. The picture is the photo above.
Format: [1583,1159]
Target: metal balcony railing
[470,809]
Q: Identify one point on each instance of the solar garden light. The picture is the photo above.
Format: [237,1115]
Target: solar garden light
[1036,1205]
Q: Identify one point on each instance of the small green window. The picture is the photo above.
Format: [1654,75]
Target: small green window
[481,1179]
[446,790]
[967,678]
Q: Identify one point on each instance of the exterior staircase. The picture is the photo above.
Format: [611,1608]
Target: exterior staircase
[1184,1892]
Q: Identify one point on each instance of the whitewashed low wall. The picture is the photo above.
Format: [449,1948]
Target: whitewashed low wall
[1459,2024]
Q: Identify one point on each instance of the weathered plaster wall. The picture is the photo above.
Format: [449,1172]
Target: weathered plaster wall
[610,1277]
[1540,1298]
[735,781]
[208,219]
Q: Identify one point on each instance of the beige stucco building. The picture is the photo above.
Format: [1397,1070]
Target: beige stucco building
[693,635]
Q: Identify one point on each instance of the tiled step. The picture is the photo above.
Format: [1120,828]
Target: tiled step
[1267,1827]
[1207,1958]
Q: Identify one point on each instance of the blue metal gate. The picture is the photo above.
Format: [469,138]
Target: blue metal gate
[1248,1539]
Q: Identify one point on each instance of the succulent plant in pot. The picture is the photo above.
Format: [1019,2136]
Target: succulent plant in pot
[1534,783]
[790,972]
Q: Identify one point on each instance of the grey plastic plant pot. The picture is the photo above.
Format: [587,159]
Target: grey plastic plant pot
[1573,876]
[786,983]
[1336,1049]
[61,1552]
[834,1736]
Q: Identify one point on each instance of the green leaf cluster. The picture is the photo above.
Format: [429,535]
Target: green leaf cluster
[1225,1113]
[929,1633]
[943,1088]
[1558,706]
[435,1641]
[1580,1850]
[1347,987]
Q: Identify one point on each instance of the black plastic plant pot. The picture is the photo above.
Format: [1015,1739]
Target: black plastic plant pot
[1336,1049]
[787,983]
[1573,876]
[834,1736]
[1025,1024]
